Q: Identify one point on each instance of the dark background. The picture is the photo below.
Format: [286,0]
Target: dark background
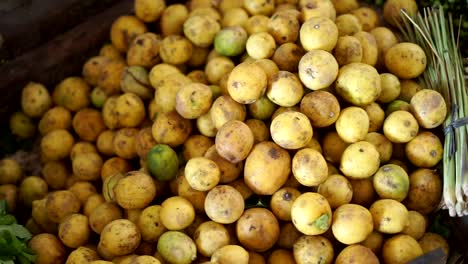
[46,40]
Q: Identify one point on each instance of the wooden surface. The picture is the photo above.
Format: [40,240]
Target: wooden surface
[62,56]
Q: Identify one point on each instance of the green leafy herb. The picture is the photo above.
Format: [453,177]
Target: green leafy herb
[13,239]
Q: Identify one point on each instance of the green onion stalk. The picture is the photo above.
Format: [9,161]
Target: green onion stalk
[435,32]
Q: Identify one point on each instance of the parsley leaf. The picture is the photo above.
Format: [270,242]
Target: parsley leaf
[13,239]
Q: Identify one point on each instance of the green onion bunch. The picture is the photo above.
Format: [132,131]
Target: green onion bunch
[435,32]
[458,10]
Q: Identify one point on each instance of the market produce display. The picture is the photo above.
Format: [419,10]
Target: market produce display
[447,80]
[287,131]
[454,7]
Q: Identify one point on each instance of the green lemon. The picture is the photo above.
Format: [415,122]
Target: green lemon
[162,162]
